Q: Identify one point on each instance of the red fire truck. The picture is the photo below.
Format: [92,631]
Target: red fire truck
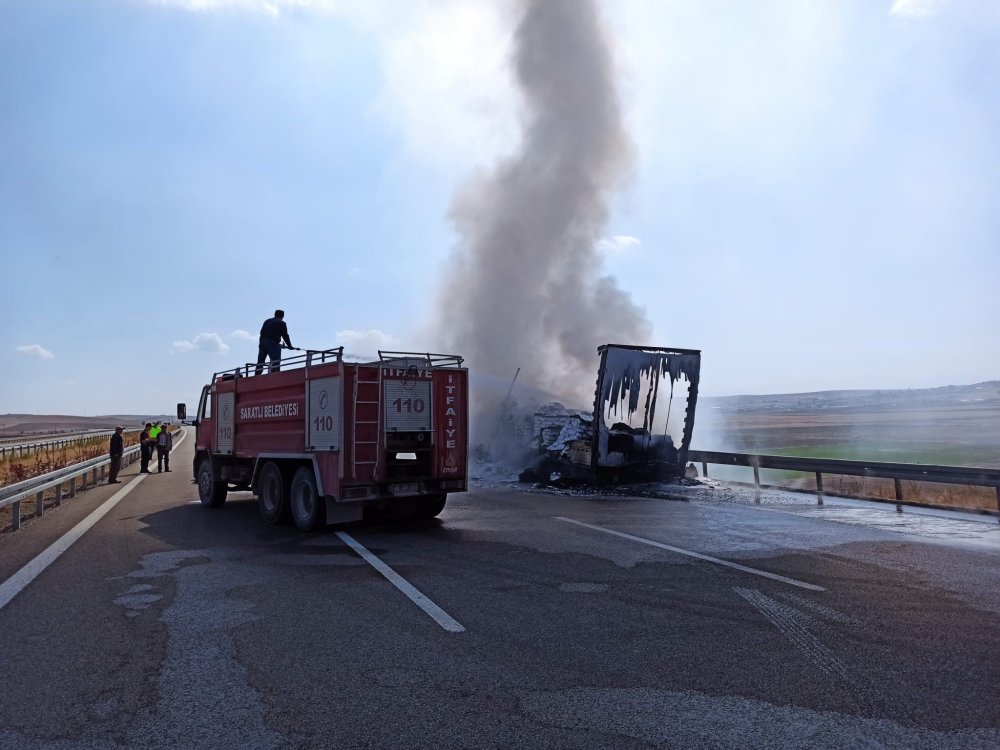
[320,440]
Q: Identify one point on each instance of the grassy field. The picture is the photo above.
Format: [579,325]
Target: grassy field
[958,426]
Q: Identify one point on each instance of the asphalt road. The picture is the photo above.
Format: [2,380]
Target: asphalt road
[533,621]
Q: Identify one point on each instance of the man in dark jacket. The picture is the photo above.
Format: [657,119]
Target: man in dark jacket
[164,444]
[272,334]
[145,449]
[115,451]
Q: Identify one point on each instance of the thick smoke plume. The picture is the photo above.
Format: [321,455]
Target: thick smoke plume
[527,289]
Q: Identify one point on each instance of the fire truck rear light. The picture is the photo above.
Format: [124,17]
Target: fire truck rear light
[453,484]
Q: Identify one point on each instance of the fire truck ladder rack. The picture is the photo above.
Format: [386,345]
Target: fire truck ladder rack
[308,358]
[433,360]
[377,403]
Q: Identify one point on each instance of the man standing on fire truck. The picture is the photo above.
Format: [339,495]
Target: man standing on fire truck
[272,333]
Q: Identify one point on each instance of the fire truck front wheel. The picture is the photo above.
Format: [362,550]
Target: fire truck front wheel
[308,508]
[272,494]
[211,493]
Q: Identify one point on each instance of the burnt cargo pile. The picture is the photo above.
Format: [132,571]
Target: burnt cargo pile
[639,430]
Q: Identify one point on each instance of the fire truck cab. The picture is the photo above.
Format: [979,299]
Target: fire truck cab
[320,440]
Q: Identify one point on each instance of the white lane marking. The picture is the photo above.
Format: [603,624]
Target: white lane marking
[698,555]
[17,582]
[439,616]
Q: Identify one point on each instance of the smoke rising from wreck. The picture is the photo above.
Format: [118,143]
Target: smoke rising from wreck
[527,288]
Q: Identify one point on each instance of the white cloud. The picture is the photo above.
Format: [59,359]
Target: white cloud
[619,243]
[365,344]
[421,46]
[211,343]
[35,350]
[915,8]
[271,7]
[242,335]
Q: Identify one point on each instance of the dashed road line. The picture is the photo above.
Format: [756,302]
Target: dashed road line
[437,614]
[698,555]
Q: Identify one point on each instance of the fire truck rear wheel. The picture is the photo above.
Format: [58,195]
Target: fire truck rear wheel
[308,507]
[431,506]
[272,494]
[211,493]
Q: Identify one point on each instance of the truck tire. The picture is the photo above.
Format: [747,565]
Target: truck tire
[272,500]
[211,493]
[307,505]
[431,506]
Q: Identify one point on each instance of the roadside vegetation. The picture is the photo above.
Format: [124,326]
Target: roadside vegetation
[15,469]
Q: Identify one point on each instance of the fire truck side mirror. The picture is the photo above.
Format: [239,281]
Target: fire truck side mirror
[182,412]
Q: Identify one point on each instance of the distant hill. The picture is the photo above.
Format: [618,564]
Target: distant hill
[13,425]
[956,424]
[986,394]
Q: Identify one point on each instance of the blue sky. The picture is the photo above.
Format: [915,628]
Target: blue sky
[814,204]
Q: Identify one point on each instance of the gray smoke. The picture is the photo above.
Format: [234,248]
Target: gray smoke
[528,289]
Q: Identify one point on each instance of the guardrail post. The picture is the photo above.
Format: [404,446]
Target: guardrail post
[58,497]
[15,516]
[94,476]
[819,488]
[704,468]
[39,503]
[899,494]
[998,500]
[755,462]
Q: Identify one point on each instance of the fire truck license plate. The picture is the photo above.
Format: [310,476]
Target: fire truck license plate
[408,488]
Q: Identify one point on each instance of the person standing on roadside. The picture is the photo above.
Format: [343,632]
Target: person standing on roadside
[164,444]
[145,449]
[272,334]
[115,451]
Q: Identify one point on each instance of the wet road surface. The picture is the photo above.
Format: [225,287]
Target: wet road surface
[699,621]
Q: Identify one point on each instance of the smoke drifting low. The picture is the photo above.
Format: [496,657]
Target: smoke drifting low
[526,288]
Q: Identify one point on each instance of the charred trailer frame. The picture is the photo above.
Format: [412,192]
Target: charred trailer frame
[622,372]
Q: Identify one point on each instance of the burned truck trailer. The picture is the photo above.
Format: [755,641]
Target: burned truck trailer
[319,440]
[612,444]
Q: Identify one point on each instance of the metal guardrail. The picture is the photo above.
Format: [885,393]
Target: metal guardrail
[39,437]
[26,449]
[898,472]
[93,472]
[13,495]
[308,358]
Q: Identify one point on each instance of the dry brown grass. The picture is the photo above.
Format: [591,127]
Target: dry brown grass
[923,493]
[14,469]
